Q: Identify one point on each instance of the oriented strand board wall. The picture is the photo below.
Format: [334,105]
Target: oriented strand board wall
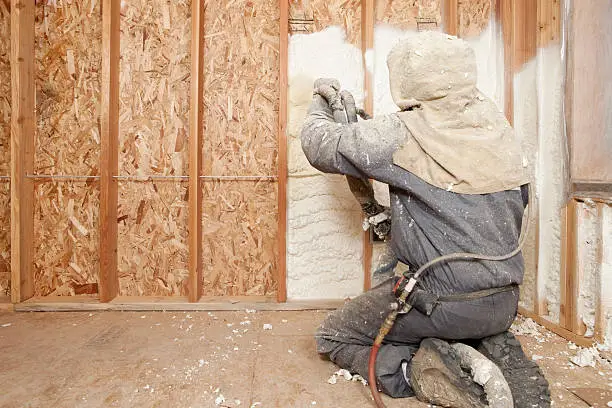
[409,14]
[153,129]
[67,142]
[310,16]
[240,139]
[5,148]
[474,16]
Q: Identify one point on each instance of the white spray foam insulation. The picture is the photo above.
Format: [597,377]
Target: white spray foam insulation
[324,237]
[606,274]
[588,241]
[550,169]
[488,47]
[526,128]
[489,50]
[385,38]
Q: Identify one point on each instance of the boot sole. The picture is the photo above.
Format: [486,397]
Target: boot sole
[437,377]
[527,383]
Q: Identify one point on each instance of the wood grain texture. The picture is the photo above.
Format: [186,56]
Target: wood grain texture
[109,147]
[320,14]
[22,147]
[589,101]
[549,22]
[239,238]
[196,124]
[154,141]
[5,238]
[473,17]
[281,275]
[152,242]
[5,149]
[557,329]
[174,303]
[66,237]
[68,50]
[525,32]
[411,15]
[241,114]
[451,17]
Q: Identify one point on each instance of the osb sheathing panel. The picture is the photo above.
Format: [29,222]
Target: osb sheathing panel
[410,14]
[153,129]
[308,16]
[240,138]
[153,238]
[5,151]
[66,260]
[5,239]
[68,58]
[474,16]
[5,89]
[239,238]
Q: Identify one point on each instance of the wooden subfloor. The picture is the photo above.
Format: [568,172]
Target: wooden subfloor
[189,359]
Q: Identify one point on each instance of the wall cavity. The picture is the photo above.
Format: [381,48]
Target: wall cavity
[588,247]
[551,172]
[489,50]
[324,239]
[526,128]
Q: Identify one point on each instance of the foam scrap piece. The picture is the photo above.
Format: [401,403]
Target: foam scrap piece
[344,373]
[359,378]
[585,357]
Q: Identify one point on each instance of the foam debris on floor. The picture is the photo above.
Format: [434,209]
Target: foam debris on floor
[210,359]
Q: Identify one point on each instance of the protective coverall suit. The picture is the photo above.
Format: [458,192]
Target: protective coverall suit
[431,216]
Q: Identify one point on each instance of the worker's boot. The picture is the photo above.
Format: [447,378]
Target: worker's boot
[527,383]
[437,377]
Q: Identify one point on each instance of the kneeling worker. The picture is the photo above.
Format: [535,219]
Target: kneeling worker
[457,184]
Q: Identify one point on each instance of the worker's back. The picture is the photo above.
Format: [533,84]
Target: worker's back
[429,222]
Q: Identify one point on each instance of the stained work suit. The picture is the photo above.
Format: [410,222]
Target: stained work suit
[437,206]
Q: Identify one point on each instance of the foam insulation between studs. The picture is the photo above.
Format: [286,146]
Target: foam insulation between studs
[324,240]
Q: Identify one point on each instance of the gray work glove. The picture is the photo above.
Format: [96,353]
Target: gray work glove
[331,82]
[344,110]
[328,89]
[379,221]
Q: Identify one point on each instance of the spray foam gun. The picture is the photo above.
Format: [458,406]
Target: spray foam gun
[342,104]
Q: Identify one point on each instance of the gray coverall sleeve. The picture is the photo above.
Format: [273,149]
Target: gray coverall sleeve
[364,149]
